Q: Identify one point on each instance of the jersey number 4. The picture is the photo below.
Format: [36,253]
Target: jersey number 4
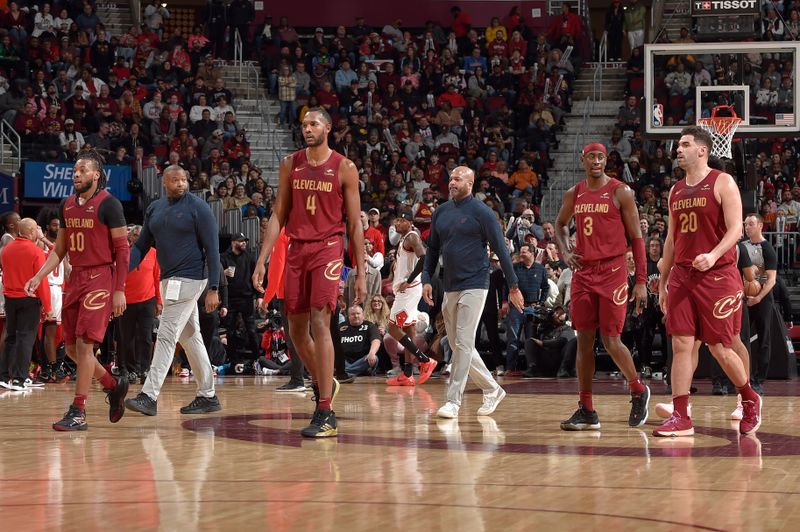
[77,241]
[311,204]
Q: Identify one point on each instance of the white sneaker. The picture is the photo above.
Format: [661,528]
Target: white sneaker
[446,371]
[664,410]
[33,384]
[4,384]
[500,371]
[739,412]
[448,411]
[184,372]
[490,401]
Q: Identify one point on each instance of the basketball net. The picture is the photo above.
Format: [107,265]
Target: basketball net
[722,129]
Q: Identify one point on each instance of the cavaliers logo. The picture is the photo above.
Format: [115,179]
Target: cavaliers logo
[727,305]
[621,294]
[333,270]
[96,299]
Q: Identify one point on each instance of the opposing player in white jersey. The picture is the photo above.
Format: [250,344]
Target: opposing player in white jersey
[407,287]
[52,369]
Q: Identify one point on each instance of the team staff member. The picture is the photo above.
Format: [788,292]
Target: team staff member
[135,326]
[237,266]
[21,260]
[184,232]
[460,230]
[762,305]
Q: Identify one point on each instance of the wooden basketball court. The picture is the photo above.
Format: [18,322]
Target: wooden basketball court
[395,466]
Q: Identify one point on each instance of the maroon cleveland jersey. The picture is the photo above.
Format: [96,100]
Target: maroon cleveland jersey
[600,231]
[317,203]
[699,221]
[88,228]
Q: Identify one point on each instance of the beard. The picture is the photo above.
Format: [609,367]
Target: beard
[81,188]
[316,141]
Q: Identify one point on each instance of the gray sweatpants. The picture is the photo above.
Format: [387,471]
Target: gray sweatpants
[462,311]
[179,322]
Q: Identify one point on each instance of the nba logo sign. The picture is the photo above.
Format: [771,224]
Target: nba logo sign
[658,115]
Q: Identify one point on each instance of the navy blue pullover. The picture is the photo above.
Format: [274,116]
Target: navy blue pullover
[460,231]
[185,235]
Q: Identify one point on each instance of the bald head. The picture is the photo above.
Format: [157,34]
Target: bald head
[461,180]
[28,228]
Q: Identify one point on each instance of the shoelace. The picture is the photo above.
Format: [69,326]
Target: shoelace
[749,408]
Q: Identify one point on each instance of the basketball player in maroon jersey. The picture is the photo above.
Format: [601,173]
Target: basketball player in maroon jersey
[700,290]
[317,188]
[94,234]
[604,210]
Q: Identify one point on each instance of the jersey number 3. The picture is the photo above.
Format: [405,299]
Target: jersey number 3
[311,204]
[587,226]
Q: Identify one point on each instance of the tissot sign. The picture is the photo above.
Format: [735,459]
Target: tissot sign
[701,8]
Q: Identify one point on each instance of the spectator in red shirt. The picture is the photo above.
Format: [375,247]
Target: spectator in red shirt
[21,259]
[27,124]
[462,22]
[565,29]
[372,235]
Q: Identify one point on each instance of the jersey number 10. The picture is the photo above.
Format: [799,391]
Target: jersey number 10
[76,241]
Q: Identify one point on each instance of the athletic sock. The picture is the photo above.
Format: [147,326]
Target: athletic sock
[748,393]
[585,398]
[681,405]
[80,402]
[637,386]
[409,344]
[408,369]
[108,381]
[325,404]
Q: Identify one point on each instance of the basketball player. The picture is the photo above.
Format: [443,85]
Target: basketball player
[604,210]
[52,371]
[705,288]
[317,188]
[407,288]
[94,233]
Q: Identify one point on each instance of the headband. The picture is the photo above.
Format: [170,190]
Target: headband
[594,146]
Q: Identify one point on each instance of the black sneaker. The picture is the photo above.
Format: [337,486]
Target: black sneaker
[61,373]
[291,387]
[346,379]
[74,419]
[202,405]
[142,404]
[45,374]
[639,402]
[132,377]
[116,399]
[582,419]
[323,425]
[718,389]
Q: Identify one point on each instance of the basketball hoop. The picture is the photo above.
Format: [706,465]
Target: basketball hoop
[722,127]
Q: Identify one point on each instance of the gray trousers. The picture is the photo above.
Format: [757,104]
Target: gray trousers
[462,311]
[179,322]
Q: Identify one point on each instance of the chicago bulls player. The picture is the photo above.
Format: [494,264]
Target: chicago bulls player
[94,234]
[407,286]
[700,288]
[317,188]
[604,210]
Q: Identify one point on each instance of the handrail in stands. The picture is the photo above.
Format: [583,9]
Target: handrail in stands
[10,135]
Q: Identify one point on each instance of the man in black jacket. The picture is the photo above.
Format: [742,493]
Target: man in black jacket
[237,266]
[545,349]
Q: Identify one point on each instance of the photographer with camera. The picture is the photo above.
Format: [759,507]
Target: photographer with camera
[544,352]
[534,287]
[523,226]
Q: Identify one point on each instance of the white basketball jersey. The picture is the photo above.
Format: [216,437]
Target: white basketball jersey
[56,277]
[404,263]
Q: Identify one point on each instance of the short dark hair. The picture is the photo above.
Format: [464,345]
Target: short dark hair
[529,246]
[701,136]
[755,215]
[657,239]
[322,112]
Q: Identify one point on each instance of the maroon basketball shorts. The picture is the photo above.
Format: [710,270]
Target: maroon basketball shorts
[88,304]
[313,271]
[599,296]
[705,305]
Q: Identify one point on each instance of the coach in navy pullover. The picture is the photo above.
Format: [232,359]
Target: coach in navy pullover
[185,235]
[460,231]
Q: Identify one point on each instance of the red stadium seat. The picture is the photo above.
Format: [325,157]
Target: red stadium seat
[637,86]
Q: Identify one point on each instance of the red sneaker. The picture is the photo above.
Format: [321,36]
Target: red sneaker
[425,370]
[751,415]
[675,425]
[401,380]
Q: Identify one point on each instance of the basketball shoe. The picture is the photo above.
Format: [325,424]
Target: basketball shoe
[639,403]
[675,425]
[751,415]
[426,370]
[448,411]
[402,380]
[143,404]
[323,425]
[115,398]
[582,419]
[665,410]
[74,419]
